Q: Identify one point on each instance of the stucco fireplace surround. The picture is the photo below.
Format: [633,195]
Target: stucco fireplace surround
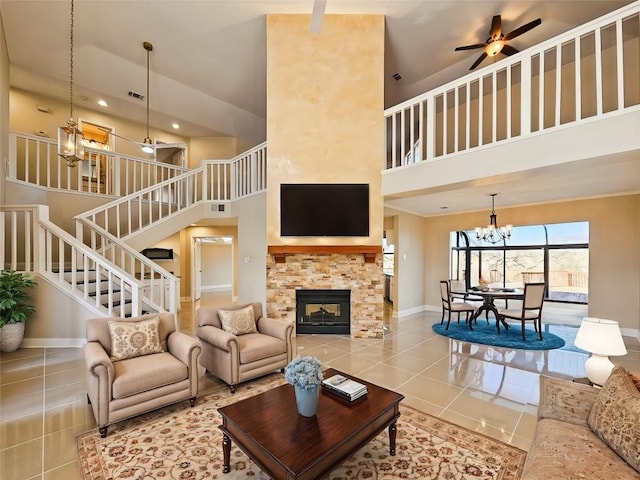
[359,272]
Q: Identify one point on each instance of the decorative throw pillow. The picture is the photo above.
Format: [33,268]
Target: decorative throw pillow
[134,339]
[615,416]
[238,322]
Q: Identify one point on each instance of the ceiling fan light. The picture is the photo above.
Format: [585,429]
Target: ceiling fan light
[494,48]
[147,146]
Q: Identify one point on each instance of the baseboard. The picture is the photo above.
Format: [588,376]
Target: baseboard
[411,311]
[213,288]
[53,342]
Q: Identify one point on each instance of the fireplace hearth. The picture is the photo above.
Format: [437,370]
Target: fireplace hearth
[323,311]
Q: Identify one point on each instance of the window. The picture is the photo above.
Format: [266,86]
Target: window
[556,254]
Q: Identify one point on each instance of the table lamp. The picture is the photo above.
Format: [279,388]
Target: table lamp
[601,338]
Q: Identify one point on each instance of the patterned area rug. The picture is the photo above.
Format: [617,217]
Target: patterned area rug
[179,442]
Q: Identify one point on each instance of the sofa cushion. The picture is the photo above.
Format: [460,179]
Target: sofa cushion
[238,322]
[568,451]
[133,339]
[615,416]
[566,401]
[140,374]
[255,346]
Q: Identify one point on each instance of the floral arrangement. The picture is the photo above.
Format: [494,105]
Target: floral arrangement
[304,372]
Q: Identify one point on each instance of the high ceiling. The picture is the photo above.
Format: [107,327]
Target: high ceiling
[208,65]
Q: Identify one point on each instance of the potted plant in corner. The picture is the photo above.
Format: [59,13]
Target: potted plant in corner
[15,308]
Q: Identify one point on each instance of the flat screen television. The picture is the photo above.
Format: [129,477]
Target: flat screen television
[324,210]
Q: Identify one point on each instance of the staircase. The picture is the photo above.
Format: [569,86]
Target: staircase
[101,265]
[552,87]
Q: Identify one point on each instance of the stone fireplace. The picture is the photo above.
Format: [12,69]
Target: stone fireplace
[361,273]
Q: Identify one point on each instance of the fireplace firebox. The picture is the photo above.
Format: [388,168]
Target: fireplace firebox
[323,311]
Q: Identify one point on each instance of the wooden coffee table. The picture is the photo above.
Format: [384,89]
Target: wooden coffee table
[286,445]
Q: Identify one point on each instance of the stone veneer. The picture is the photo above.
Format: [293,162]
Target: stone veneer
[329,271]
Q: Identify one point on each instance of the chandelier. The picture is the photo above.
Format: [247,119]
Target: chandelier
[492,233]
[70,139]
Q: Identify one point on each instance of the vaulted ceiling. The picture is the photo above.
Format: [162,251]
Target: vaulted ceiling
[208,66]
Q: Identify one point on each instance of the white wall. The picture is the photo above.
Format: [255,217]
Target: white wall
[252,248]
[217,265]
[59,320]
[409,287]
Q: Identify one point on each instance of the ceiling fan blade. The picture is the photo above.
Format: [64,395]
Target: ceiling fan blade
[317,15]
[508,50]
[496,26]
[479,60]
[524,28]
[470,47]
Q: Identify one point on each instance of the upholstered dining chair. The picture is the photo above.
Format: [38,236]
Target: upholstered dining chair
[531,310]
[449,306]
[138,364]
[239,343]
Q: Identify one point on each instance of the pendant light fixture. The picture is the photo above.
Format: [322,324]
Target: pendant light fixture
[147,144]
[492,233]
[70,139]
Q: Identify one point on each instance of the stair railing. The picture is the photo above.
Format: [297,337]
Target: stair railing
[214,181]
[36,245]
[159,288]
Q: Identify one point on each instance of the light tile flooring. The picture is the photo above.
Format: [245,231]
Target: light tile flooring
[491,390]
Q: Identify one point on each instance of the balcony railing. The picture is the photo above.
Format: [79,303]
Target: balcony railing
[589,72]
[34,160]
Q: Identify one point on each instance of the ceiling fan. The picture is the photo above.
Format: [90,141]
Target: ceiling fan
[497,41]
[151,155]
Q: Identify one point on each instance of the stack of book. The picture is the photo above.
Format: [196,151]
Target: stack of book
[344,387]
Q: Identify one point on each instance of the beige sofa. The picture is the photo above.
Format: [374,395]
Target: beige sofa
[236,358]
[586,433]
[122,388]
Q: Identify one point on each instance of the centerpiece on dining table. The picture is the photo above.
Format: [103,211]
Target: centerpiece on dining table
[305,374]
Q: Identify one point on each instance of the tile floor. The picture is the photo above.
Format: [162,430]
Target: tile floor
[490,390]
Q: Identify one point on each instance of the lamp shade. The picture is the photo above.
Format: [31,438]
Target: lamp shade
[600,337]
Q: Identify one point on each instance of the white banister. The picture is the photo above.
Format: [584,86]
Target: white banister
[551,82]
[51,252]
[35,160]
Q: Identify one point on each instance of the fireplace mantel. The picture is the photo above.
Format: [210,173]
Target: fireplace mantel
[369,251]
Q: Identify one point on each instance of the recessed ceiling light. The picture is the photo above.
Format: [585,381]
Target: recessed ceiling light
[102,103]
[175,125]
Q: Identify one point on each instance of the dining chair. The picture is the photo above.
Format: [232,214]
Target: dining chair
[531,310]
[459,291]
[448,305]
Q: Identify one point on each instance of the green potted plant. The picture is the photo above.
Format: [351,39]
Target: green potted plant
[15,308]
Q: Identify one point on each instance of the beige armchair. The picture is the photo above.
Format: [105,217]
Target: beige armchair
[238,358]
[118,389]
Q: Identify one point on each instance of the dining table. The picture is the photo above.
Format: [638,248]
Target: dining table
[489,295]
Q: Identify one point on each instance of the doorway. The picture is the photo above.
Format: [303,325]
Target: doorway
[212,267]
